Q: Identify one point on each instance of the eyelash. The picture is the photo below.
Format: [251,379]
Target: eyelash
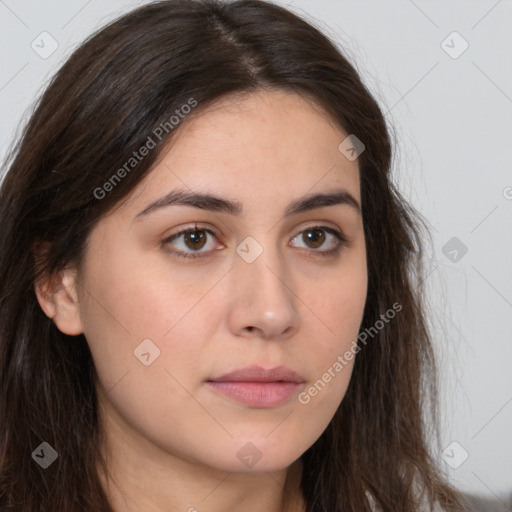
[343,241]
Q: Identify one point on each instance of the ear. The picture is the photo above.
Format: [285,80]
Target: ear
[58,297]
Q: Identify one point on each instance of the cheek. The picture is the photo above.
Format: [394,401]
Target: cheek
[143,293]
[338,303]
[129,301]
[127,306]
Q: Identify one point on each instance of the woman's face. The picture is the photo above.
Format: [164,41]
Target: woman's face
[262,281]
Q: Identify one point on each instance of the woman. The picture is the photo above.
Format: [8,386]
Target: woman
[210,288]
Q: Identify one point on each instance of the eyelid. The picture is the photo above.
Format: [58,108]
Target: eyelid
[322,225]
[337,232]
[341,241]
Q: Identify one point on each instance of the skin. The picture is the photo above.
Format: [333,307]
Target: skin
[170,441]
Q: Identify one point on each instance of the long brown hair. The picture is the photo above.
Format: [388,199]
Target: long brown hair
[114,91]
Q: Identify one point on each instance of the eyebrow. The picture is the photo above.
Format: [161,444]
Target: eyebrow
[218,204]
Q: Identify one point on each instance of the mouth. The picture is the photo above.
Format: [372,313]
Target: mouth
[258,387]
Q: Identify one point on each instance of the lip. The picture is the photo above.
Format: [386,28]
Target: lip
[258,387]
[259,374]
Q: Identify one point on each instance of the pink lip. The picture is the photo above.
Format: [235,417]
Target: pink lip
[258,387]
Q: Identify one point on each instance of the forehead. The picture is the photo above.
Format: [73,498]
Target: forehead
[275,121]
[263,145]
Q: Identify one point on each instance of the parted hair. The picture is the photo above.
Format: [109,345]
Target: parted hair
[116,89]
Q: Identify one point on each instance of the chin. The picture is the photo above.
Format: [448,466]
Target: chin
[257,454]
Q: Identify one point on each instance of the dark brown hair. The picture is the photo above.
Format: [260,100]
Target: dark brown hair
[113,92]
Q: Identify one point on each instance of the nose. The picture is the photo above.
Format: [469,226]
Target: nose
[262,303]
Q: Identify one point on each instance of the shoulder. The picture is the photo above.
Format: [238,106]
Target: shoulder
[476,503]
[471,502]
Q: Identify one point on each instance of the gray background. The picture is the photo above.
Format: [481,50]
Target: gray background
[452,113]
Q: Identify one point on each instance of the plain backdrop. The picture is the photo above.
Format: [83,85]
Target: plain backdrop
[442,72]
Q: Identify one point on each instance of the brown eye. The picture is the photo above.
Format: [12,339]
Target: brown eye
[190,243]
[320,240]
[314,237]
[195,239]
